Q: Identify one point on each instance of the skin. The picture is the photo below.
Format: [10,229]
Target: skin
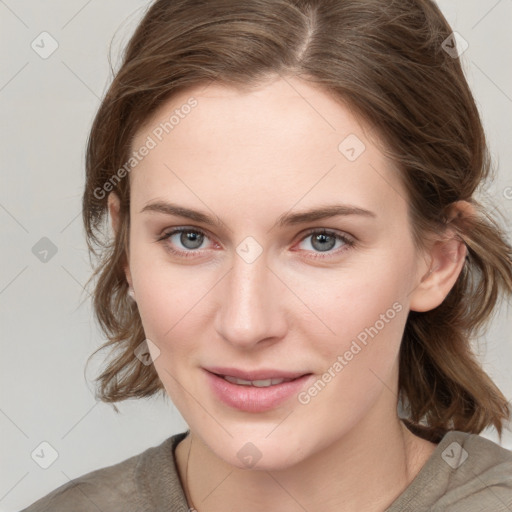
[249,157]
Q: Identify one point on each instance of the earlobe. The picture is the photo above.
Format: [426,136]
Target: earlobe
[447,259]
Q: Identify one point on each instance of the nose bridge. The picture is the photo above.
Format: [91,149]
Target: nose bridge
[248,312]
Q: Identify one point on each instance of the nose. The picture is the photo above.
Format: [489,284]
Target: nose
[251,307]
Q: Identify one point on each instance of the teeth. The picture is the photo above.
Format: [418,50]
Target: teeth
[257,383]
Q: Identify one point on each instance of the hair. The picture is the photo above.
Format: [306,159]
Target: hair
[385,60]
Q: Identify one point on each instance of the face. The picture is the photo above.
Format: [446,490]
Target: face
[251,285]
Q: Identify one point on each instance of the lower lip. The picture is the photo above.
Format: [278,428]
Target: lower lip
[252,398]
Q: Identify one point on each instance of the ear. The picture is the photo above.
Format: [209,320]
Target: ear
[447,256]
[114,207]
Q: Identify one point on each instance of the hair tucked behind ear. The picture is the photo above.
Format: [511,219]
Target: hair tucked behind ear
[385,60]
[440,377]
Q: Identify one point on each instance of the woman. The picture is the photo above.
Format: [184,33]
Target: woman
[298,262]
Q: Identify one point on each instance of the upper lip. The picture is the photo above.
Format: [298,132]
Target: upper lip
[262,374]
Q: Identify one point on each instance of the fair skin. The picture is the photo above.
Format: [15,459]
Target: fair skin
[248,158]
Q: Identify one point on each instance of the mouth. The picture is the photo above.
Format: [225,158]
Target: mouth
[260,383]
[258,378]
[256,395]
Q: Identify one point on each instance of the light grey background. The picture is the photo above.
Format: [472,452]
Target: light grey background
[47,332]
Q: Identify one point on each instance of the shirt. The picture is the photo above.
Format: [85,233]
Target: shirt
[465,473]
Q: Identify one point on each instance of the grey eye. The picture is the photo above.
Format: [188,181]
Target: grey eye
[323,241]
[189,239]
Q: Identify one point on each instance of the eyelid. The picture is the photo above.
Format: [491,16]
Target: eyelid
[165,236]
[348,239]
[349,242]
[327,231]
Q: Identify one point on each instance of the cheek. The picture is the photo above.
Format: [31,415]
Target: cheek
[366,346]
[358,300]
[167,304]
[170,302]
[367,309]
[359,362]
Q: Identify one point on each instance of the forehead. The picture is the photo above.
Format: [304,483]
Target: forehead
[285,140]
[280,111]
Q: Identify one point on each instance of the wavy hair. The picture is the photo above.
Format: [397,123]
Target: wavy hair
[387,60]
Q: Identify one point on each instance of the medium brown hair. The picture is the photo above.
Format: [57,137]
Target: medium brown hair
[386,60]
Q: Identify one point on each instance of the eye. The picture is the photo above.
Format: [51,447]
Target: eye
[190,239]
[324,241]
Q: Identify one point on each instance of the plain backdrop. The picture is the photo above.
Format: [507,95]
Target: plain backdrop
[47,332]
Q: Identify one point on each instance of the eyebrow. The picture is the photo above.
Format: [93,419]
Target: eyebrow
[287,219]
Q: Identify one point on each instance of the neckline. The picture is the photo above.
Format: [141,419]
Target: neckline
[412,494]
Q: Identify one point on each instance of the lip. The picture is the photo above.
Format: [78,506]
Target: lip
[254,399]
[262,374]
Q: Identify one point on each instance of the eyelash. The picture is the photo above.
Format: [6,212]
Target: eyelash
[348,241]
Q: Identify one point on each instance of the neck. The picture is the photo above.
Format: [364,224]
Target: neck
[366,469]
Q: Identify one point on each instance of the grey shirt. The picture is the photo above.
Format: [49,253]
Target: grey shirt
[465,473]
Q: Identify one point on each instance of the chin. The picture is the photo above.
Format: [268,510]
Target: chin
[259,455]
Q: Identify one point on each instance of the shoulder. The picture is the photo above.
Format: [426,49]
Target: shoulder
[125,486]
[465,473]
[479,474]
[93,491]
